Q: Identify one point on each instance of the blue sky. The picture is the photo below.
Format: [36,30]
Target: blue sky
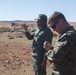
[30,9]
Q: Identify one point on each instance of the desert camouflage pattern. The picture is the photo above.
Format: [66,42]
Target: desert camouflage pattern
[63,55]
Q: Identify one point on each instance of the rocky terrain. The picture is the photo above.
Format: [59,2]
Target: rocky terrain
[15,54]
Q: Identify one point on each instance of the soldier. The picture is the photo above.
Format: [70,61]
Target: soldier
[63,54]
[39,37]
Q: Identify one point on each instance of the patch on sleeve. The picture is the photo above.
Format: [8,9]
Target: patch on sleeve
[57,46]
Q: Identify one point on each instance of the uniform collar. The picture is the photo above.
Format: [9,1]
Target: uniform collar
[67,29]
[45,26]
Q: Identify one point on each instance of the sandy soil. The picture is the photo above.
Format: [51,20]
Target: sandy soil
[15,56]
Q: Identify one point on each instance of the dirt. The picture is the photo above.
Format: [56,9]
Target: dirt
[15,55]
[15,59]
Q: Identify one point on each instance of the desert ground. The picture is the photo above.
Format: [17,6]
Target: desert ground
[15,51]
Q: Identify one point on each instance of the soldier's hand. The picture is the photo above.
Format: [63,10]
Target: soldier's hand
[44,63]
[47,45]
[25,26]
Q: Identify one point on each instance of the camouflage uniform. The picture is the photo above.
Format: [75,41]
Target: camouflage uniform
[63,55]
[39,37]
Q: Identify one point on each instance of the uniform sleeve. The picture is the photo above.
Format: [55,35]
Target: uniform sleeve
[29,36]
[58,52]
[48,35]
[66,50]
[61,51]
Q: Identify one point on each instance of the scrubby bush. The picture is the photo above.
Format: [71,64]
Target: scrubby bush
[5,29]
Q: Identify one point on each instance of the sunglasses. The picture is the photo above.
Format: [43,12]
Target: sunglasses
[54,25]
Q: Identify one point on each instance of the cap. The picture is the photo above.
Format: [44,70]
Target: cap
[54,16]
[42,16]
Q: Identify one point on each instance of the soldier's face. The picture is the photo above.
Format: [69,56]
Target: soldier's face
[54,26]
[40,23]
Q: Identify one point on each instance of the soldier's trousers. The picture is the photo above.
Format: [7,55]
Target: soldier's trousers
[37,61]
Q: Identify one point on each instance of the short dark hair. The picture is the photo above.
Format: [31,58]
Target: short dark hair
[56,16]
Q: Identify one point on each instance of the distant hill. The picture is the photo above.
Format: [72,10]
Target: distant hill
[19,22]
[15,22]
